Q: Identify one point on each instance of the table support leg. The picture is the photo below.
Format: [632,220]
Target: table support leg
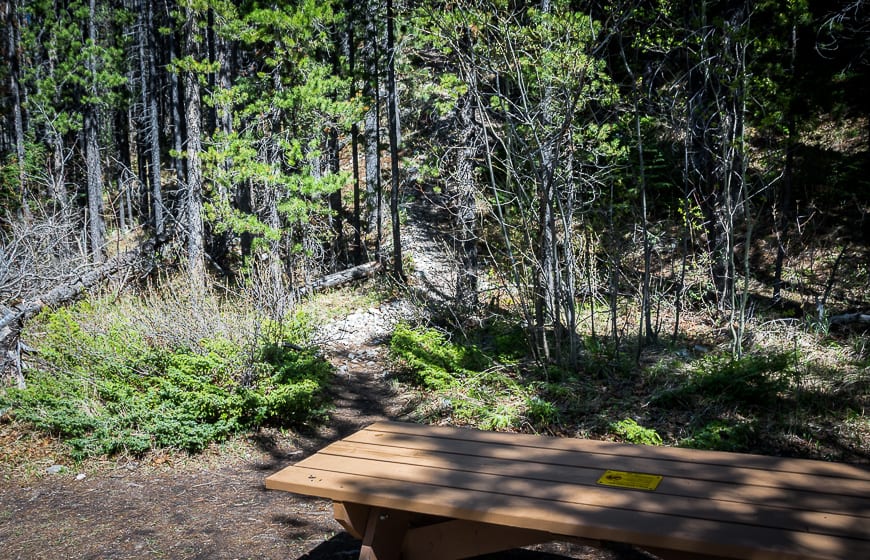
[462,539]
[385,532]
[353,517]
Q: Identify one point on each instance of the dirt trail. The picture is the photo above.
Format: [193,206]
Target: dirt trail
[214,505]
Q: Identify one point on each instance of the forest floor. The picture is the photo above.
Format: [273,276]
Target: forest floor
[214,504]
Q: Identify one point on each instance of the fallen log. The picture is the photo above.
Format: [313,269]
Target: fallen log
[13,318]
[74,288]
[359,272]
[847,318]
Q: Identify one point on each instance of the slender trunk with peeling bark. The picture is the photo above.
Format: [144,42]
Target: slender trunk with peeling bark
[178,122]
[372,131]
[465,200]
[15,94]
[193,111]
[147,72]
[96,224]
[393,113]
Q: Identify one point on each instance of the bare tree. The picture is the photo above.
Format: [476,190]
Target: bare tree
[193,192]
[541,163]
[147,76]
[464,199]
[372,130]
[393,114]
[93,164]
[10,13]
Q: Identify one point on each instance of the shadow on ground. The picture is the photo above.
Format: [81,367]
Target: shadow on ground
[343,545]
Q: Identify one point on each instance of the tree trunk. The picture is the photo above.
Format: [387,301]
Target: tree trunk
[547,285]
[15,94]
[339,247]
[359,249]
[371,92]
[221,53]
[176,101]
[147,72]
[96,224]
[121,138]
[785,202]
[646,301]
[193,111]
[226,58]
[393,113]
[465,211]
[210,116]
[57,172]
[336,206]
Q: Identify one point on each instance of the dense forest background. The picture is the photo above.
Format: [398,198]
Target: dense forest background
[616,175]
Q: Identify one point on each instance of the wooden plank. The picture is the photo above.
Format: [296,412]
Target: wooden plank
[745,460]
[567,496]
[536,447]
[455,539]
[810,500]
[580,520]
[596,458]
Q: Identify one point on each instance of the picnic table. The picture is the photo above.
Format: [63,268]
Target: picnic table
[417,492]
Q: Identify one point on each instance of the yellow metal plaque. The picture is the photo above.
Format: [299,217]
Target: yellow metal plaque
[636,481]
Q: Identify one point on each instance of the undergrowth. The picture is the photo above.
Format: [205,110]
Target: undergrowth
[476,382]
[765,402]
[106,383]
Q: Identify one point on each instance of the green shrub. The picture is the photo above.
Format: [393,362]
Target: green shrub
[632,432]
[483,389]
[509,341]
[749,381]
[436,362]
[540,411]
[722,436]
[113,390]
[501,417]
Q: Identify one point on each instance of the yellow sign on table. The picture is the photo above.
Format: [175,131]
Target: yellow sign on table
[636,481]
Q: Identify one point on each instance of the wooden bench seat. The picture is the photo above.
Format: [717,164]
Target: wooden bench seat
[420,492]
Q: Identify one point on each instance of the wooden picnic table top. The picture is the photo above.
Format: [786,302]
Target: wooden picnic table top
[706,502]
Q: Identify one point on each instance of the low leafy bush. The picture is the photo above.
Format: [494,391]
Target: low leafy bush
[435,361]
[483,387]
[116,389]
[541,411]
[750,381]
[727,398]
[632,432]
[721,435]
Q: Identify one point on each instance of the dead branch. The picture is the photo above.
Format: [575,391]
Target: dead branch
[70,290]
[360,272]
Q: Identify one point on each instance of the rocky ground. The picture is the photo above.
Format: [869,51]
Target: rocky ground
[214,505]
